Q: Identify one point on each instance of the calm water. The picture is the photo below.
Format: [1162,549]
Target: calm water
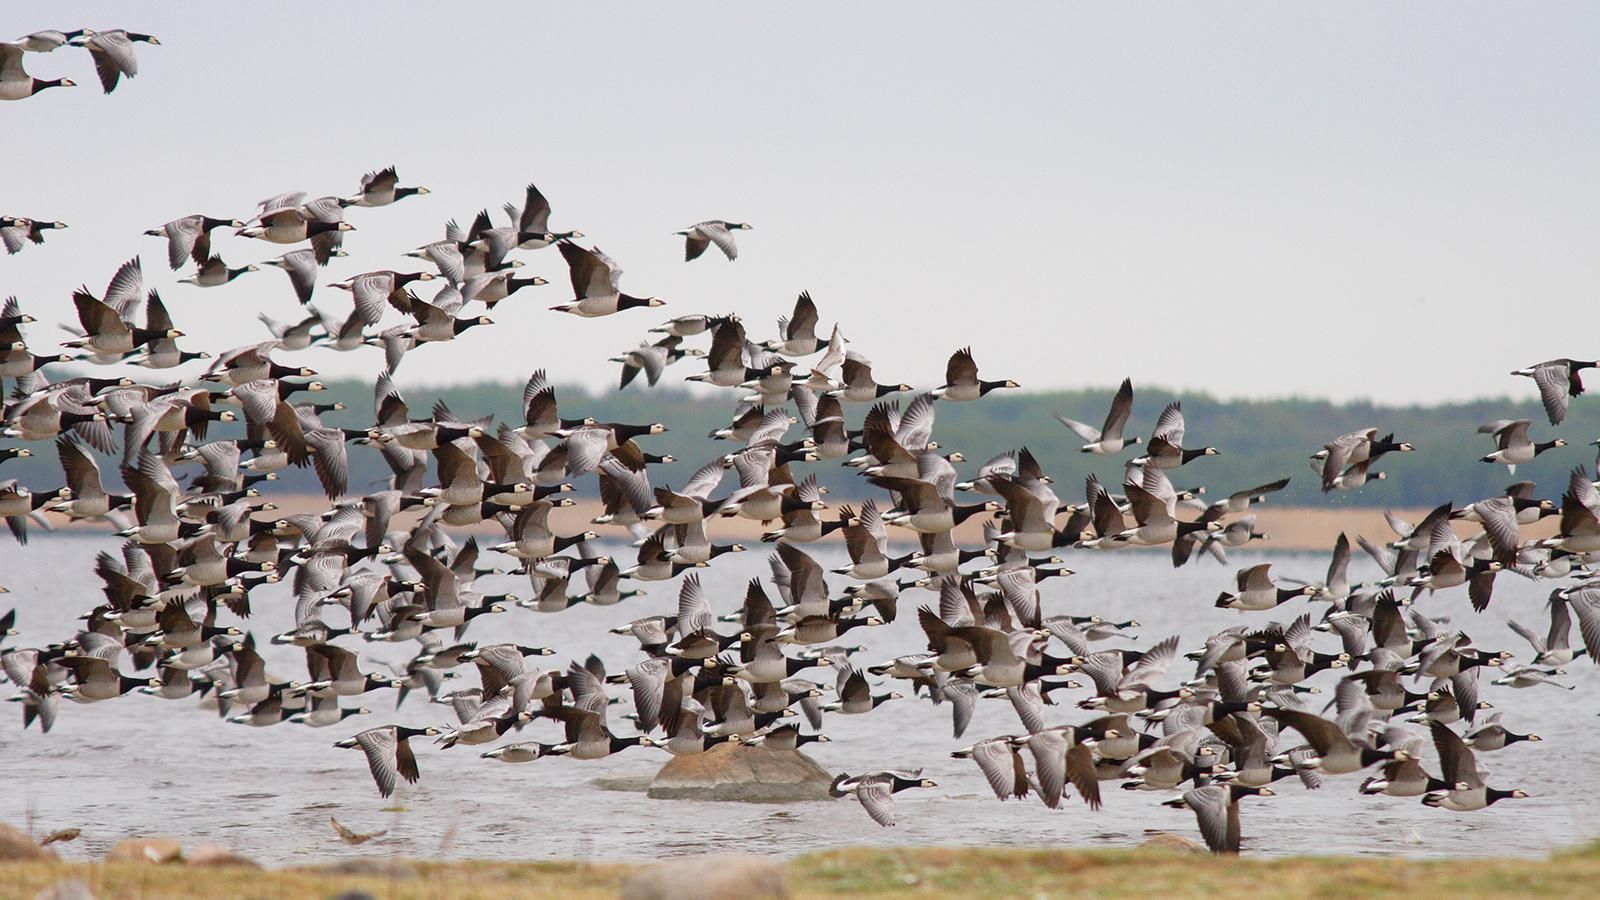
[141,765]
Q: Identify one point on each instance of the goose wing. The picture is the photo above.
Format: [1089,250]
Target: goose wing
[1586,606]
[382,749]
[381,181]
[694,245]
[1152,665]
[535,215]
[1088,433]
[962,368]
[648,680]
[118,48]
[1049,750]
[329,459]
[97,318]
[82,474]
[694,611]
[717,233]
[1211,805]
[1001,767]
[1169,425]
[1456,761]
[1117,417]
[593,273]
[877,798]
[1552,381]
[1499,517]
[113,56]
[1256,578]
[371,291]
[963,697]
[301,267]
[183,241]
[1322,734]
[1029,708]
[1559,637]
[1535,640]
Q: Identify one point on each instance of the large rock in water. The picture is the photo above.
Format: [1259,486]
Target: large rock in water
[734,772]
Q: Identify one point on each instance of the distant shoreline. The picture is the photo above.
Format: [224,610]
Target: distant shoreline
[1293,528]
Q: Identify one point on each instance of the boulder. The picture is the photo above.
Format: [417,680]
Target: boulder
[157,850]
[381,868]
[735,772]
[1172,843]
[715,876]
[16,846]
[218,855]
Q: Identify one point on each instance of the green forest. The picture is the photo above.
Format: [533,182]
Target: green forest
[1259,440]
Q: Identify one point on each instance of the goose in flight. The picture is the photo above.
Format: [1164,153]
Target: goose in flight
[533,222]
[1513,446]
[596,280]
[190,238]
[1558,379]
[1107,439]
[112,52]
[15,82]
[876,790]
[961,381]
[214,273]
[382,188]
[388,752]
[16,231]
[696,238]
[290,219]
[47,40]
[1216,809]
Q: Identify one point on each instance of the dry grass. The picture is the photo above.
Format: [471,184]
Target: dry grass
[925,872]
[937,872]
[488,880]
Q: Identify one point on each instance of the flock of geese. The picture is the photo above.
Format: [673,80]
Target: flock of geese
[112,52]
[1226,720]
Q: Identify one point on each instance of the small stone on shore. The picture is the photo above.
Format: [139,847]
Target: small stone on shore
[17,846]
[1172,842]
[714,876]
[382,868]
[218,855]
[157,850]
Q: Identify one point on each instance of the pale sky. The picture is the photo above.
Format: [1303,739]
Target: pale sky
[1394,201]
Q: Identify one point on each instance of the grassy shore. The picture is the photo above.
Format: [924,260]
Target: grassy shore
[926,872]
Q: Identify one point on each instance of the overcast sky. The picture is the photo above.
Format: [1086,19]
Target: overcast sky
[1394,201]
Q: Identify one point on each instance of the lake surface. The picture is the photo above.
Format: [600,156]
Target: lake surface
[141,765]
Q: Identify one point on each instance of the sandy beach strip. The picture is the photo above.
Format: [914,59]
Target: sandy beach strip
[1286,527]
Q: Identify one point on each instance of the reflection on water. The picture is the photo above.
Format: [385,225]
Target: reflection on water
[140,765]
